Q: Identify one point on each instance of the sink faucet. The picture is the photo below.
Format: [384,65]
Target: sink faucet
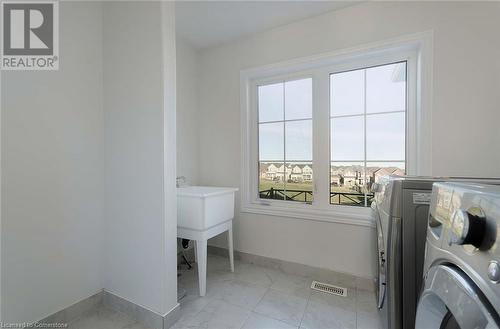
[180,181]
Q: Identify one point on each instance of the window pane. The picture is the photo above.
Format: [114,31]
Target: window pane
[298,99]
[347,93]
[347,183]
[298,140]
[376,170]
[298,185]
[271,180]
[386,88]
[271,102]
[290,182]
[271,141]
[385,136]
[347,138]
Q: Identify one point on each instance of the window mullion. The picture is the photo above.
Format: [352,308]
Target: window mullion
[321,137]
[285,178]
[364,125]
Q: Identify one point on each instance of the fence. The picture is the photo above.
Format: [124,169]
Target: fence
[343,198]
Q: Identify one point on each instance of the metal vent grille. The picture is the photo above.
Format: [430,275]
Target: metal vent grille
[329,289]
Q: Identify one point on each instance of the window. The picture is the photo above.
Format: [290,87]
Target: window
[367,130]
[318,132]
[285,140]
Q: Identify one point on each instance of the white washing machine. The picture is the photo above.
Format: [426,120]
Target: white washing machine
[461,269]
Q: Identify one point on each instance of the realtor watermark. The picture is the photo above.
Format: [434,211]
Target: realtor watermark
[30,35]
[23,325]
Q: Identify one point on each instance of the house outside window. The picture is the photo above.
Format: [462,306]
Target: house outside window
[318,133]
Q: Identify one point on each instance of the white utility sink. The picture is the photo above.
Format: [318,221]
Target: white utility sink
[202,207]
[202,213]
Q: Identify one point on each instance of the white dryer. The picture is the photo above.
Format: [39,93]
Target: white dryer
[461,269]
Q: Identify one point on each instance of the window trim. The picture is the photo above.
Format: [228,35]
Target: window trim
[415,49]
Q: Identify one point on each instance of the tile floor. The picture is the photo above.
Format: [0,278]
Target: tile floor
[255,297]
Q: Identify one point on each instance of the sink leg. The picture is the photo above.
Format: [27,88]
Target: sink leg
[195,252]
[231,250]
[201,254]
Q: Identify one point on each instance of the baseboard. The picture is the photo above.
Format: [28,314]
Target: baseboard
[351,281]
[172,316]
[141,314]
[74,311]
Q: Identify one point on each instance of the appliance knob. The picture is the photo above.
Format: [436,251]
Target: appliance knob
[467,228]
[494,271]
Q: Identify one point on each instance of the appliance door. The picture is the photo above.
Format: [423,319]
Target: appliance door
[450,300]
[381,263]
[415,213]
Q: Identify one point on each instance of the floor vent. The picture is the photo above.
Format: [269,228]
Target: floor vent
[329,289]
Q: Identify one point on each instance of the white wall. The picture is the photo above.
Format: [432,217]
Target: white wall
[465,112]
[88,165]
[187,112]
[53,173]
[138,231]
[169,85]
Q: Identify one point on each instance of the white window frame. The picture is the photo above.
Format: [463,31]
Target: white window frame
[416,50]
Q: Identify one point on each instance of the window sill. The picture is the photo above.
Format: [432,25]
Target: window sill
[335,214]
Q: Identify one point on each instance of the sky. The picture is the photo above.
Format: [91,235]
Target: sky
[292,100]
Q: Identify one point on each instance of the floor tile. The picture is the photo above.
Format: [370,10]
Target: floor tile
[214,287]
[221,274]
[253,274]
[217,270]
[366,302]
[283,307]
[330,311]
[191,305]
[325,316]
[291,284]
[257,321]
[104,318]
[367,314]
[347,303]
[368,321]
[242,293]
[219,315]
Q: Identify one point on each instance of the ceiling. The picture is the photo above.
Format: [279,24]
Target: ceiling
[206,24]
